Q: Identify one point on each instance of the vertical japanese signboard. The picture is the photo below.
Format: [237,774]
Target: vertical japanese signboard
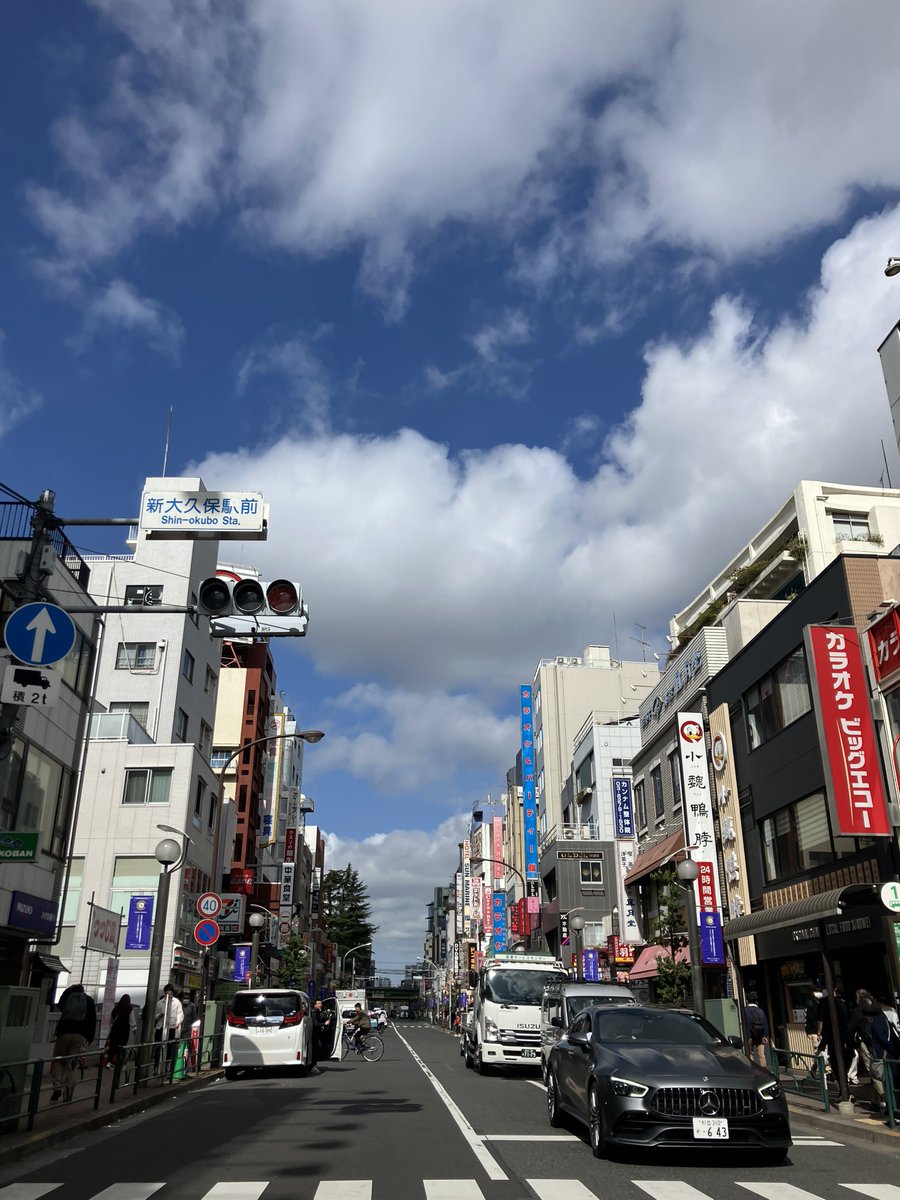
[846,733]
[467,887]
[623,810]
[699,831]
[497,846]
[528,799]
[498,937]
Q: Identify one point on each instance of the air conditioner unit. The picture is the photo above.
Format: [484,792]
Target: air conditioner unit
[569,835]
[586,831]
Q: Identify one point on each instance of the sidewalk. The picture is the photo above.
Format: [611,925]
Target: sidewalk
[63,1121]
[861,1125]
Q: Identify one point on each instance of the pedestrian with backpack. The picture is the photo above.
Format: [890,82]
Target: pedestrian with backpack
[75,1030]
[757,1026]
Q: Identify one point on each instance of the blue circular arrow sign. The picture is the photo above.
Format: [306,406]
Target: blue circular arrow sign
[206,932]
[39,634]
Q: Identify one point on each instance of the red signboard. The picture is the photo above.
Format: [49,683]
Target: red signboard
[706,886]
[853,777]
[884,641]
[497,847]
[619,951]
[241,880]
[290,844]
[515,919]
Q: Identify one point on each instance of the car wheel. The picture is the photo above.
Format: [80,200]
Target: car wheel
[231,1072]
[467,1055]
[554,1114]
[480,1065]
[595,1123]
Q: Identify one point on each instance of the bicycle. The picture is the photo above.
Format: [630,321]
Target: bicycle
[371,1049]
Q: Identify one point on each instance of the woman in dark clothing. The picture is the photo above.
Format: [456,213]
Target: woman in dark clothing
[885,1044]
[122,1024]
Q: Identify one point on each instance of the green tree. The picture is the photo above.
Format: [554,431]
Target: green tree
[293,971]
[348,913]
[673,978]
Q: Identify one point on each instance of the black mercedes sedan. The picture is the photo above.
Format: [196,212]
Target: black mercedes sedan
[646,1077]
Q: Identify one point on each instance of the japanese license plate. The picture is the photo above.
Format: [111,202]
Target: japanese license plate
[711,1129]
[529,1053]
[263,1028]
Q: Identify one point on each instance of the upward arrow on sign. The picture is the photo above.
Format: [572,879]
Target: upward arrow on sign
[42,624]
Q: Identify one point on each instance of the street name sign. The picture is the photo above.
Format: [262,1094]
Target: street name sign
[39,634]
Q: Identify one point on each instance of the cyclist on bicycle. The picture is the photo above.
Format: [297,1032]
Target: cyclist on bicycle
[361,1026]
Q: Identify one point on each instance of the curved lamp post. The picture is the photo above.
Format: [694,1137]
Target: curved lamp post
[170,855]
[576,924]
[344,957]
[687,871]
[256,922]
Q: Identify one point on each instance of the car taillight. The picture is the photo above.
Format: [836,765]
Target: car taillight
[236,1022]
[291,1019]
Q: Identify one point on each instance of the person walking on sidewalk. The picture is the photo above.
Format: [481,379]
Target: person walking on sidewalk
[75,1030]
[167,1024]
[122,1029]
[757,1025]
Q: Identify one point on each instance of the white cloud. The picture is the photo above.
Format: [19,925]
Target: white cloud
[327,126]
[296,368]
[491,341]
[399,866]
[118,306]
[16,400]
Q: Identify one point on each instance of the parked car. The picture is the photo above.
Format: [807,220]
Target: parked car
[662,1077]
[267,1027]
[563,1000]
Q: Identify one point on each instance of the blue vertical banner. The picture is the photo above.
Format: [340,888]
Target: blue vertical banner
[241,963]
[498,937]
[623,809]
[712,947]
[590,964]
[530,807]
[140,923]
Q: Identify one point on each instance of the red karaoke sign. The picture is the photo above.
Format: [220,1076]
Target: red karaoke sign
[884,640]
[845,723]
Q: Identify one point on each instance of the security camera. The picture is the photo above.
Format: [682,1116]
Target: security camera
[893,267]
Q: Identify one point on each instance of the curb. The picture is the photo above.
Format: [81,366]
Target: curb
[858,1127]
[37,1140]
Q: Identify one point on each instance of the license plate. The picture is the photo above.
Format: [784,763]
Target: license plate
[711,1129]
[263,1028]
[529,1053]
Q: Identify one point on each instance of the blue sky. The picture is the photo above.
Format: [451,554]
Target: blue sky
[521,316]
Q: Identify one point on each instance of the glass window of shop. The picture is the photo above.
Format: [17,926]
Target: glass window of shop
[778,699]
[798,838]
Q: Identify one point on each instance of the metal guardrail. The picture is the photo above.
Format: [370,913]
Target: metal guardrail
[40,1085]
[807,1075]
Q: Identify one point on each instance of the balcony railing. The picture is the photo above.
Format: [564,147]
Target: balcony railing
[111,727]
[580,831]
[15,525]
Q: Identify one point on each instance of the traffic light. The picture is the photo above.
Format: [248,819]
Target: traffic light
[253,608]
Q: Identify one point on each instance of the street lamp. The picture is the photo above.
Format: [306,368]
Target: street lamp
[170,855]
[344,957]
[576,924]
[687,871]
[893,267]
[613,973]
[256,921]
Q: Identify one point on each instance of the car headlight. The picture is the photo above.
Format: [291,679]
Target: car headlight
[770,1091]
[627,1087]
[491,1032]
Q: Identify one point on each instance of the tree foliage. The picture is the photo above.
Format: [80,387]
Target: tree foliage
[673,979]
[348,913]
[293,970]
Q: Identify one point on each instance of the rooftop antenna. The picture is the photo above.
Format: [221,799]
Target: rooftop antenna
[642,641]
[616,637]
[168,439]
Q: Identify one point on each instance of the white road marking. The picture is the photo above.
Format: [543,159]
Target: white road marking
[779,1191]
[27,1191]
[452,1189]
[129,1191]
[344,1189]
[813,1141]
[530,1137]
[234,1191]
[877,1191]
[670,1189]
[476,1143]
[561,1189]
[538,1083]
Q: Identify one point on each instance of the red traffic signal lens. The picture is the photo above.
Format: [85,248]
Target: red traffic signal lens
[248,596]
[215,596]
[282,597]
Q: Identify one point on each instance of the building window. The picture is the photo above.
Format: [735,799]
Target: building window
[251,701]
[592,873]
[198,797]
[245,757]
[640,805]
[659,806]
[136,656]
[798,838]
[211,681]
[187,666]
[150,785]
[584,774]
[219,758]
[204,745]
[72,906]
[213,805]
[181,725]
[778,699]
[675,776]
[242,798]
[139,710]
[850,527]
[238,847]
[76,666]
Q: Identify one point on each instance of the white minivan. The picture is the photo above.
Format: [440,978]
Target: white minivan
[267,1027]
[563,1000]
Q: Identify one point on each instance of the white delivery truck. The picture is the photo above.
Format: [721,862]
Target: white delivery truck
[503,1025]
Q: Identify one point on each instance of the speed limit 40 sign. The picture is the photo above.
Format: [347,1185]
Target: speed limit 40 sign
[209,904]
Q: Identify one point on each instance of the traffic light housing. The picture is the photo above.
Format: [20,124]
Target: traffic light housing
[252,607]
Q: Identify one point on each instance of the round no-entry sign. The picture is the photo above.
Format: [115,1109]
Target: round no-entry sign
[206,932]
[209,904]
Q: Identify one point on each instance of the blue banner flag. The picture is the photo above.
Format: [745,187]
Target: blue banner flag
[140,923]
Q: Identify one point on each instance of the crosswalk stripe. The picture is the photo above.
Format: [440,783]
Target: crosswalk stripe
[877,1191]
[802,1141]
[344,1189]
[670,1189]
[561,1189]
[27,1191]
[234,1191]
[452,1189]
[779,1191]
[129,1191]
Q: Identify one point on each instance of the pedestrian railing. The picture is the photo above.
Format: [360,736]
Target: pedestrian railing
[40,1085]
[802,1074]
[891,1080]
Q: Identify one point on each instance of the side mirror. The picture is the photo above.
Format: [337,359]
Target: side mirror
[580,1039]
[473,979]
[735,1041]
[556,1022]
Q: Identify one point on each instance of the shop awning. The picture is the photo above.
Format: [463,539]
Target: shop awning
[797,912]
[645,963]
[51,963]
[651,858]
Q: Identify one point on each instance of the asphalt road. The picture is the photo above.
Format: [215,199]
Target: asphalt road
[414,1126]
